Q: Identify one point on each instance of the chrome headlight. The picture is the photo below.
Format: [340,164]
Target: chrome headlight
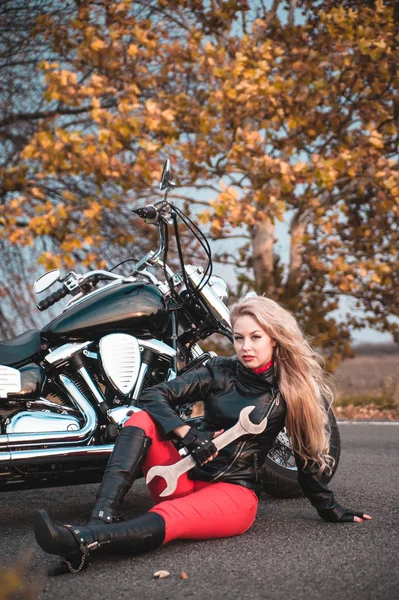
[219,286]
[209,294]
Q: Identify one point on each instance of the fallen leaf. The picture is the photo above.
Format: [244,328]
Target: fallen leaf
[183,575]
[161,574]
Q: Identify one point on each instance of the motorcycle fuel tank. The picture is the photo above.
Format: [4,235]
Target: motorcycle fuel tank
[123,307]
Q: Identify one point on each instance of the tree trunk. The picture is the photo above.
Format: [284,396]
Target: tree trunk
[291,14]
[297,231]
[262,237]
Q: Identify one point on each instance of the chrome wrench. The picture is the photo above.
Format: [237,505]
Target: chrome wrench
[171,473]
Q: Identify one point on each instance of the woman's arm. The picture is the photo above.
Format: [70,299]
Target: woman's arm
[315,488]
[159,401]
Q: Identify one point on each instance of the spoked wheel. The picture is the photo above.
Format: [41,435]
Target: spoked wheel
[278,473]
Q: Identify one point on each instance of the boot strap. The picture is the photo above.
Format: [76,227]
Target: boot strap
[100,518]
[84,549]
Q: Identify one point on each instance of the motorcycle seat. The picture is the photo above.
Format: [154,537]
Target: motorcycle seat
[20,348]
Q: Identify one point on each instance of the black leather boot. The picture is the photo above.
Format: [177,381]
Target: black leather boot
[74,544]
[124,465]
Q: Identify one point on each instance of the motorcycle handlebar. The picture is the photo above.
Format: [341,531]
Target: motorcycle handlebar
[52,299]
[93,277]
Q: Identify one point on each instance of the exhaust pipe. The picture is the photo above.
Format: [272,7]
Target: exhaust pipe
[58,437]
[59,455]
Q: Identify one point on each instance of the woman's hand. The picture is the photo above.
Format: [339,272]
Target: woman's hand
[339,514]
[352,516]
[364,517]
[200,445]
[216,453]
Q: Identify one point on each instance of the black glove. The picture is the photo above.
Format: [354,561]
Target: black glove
[348,515]
[200,445]
[345,517]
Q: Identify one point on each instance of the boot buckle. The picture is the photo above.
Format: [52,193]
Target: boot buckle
[92,546]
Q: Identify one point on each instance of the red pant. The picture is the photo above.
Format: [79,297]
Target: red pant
[197,510]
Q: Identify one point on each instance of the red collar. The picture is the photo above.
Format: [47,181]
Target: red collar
[265,367]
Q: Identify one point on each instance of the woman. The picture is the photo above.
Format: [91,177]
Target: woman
[275,370]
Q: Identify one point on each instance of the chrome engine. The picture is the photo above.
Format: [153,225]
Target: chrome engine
[51,428]
[25,421]
[74,421]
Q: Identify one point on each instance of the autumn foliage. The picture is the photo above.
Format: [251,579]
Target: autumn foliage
[277,113]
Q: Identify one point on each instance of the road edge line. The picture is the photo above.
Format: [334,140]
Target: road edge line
[356,422]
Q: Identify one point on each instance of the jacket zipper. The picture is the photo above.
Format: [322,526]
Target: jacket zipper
[276,402]
[256,467]
[235,457]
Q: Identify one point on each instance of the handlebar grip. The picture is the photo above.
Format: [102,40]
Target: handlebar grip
[53,298]
[147,212]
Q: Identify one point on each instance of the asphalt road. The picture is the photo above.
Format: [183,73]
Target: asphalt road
[290,553]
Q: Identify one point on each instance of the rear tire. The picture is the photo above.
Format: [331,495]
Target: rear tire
[278,474]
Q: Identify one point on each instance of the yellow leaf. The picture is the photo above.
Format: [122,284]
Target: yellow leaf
[132,50]
[151,106]
[62,211]
[93,211]
[37,193]
[98,45]
[168,114]
[376,139]
[69,196]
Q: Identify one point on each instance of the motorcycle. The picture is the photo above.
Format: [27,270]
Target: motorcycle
[66,390]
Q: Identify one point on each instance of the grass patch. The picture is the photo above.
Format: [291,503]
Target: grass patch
[366,400]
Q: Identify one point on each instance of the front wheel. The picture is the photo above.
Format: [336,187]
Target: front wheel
[278,474]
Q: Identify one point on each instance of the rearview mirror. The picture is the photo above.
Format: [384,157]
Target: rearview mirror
[165,177]
[45,281]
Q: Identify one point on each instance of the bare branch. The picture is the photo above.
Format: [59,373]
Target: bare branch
[14,118]
[229,237]
[190,200]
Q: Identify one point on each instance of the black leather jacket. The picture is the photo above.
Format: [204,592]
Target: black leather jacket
[226,387]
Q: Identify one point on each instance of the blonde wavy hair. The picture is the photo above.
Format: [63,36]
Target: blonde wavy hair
[302,380]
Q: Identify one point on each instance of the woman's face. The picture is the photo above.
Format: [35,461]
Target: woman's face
[253,345]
